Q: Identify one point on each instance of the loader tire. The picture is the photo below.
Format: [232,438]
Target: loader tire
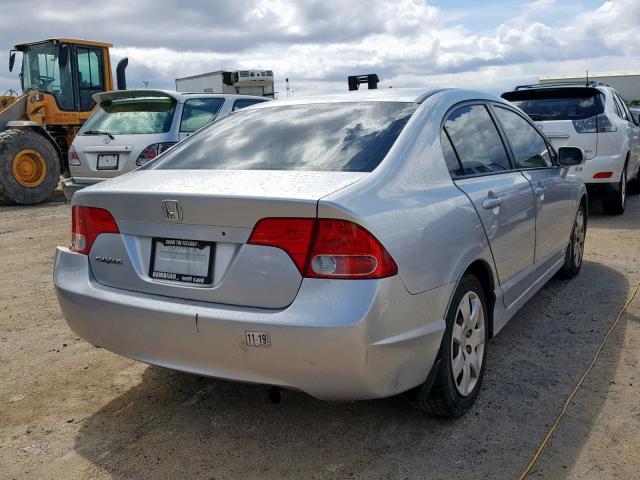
[29,167]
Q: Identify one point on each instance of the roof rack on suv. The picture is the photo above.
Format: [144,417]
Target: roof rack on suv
[590,83]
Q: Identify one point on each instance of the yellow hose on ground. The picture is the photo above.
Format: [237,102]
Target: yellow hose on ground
[573,393]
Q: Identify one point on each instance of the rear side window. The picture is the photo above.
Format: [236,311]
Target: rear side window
[198,112]
[621,108]
[132,116]
[558,103]
[350,136]
[239,104]
[529,148]
[476,141]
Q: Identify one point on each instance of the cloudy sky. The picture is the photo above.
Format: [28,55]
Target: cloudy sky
[490,45]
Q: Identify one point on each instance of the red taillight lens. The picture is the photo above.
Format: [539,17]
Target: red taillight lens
[73,157]
[86,224]
[343,249]
[293,235]
[326,248]
[603,175]
[152,151]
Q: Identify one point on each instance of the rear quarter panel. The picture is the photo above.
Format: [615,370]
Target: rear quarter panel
[412,206]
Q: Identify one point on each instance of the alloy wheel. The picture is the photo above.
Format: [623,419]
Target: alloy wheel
[467,343]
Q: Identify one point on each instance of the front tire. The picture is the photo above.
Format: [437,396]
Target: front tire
[29,167]
[614,202]
[575,250]
[462,356]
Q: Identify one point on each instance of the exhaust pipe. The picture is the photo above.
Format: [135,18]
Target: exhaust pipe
[121,78]
[274,395]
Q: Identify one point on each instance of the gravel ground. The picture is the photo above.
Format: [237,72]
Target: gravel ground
[69,410]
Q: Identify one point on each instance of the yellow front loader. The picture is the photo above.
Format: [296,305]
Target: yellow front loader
[58,78]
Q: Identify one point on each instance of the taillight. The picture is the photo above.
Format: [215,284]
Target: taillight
[86,224]
[598,124]
[74,160]
[152,151]
[326,248]
[293,235]
[603,175]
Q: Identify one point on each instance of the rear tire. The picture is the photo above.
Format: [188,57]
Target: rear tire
[29,167]
[614,202]
[462,357]
[575,251]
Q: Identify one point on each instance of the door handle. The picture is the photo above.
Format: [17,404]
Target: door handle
[492,202]
[539,191]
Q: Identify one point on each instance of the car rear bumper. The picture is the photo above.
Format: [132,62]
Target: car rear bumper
[73,184]
[597,164]
[338,340]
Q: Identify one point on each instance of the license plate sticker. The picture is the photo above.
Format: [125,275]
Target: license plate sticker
[108,162]
[257,339]
[186,261]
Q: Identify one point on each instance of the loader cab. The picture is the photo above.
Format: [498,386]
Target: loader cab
[70,70]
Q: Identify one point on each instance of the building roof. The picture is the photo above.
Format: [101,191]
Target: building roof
[624,73]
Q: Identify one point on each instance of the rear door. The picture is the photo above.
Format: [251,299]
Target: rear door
[554,197]
[632,132]
[566,115]
[501,195]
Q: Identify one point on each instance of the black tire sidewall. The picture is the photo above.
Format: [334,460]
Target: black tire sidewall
[467,283]
[569,269]
[11,142]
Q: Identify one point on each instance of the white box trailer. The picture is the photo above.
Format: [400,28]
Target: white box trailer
[627,84]
[243,82]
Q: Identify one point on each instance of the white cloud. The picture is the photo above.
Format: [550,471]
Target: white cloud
[317,44]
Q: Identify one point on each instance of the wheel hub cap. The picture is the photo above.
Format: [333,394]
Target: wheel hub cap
[467,343]
[29,167]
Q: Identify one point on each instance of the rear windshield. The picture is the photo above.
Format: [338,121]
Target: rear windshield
[559,103]
[131,116]
[322,137]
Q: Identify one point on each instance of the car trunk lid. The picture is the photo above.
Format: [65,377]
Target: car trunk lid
[196,224]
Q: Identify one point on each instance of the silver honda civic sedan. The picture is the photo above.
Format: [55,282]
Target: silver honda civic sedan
[351,246]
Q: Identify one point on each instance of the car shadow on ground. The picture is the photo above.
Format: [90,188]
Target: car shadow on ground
[613,222]
[56,199]
[174,425]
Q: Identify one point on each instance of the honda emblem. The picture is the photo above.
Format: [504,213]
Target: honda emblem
[172,210]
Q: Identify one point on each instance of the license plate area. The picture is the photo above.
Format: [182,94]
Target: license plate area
[108,161]
[185,261]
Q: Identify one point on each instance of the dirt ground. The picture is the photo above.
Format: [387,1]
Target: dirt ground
[69,410]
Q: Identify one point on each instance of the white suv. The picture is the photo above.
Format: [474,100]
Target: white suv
[594,117]
[131,127]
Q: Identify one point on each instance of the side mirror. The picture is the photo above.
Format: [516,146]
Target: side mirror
[570,156]
[12,59]
[636,118]
[63,56]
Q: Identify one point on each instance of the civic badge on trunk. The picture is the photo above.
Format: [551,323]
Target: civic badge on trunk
[172,210]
